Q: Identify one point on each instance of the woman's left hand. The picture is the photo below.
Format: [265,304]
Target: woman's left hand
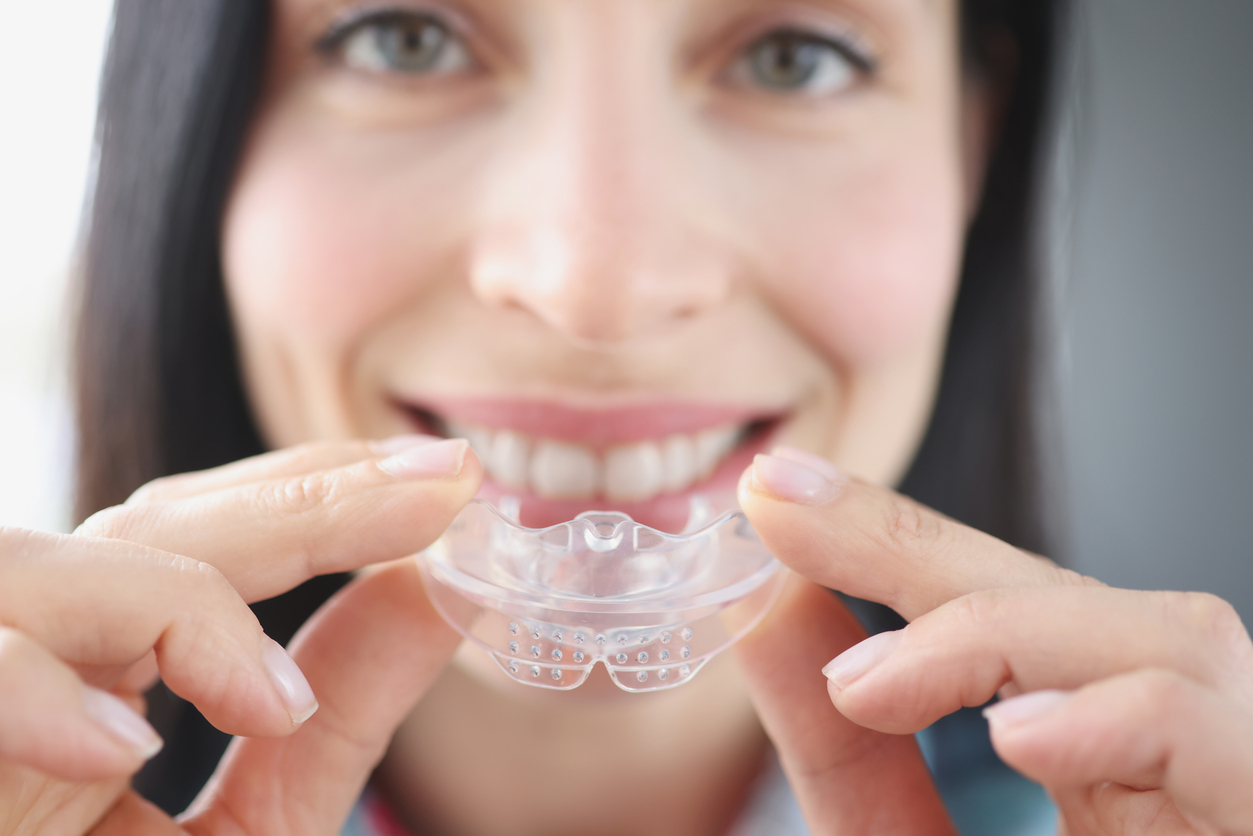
[1134,709]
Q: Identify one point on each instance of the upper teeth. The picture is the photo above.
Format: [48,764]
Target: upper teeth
[625,473]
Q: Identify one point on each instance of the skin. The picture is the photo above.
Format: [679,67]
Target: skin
[825,234]
[795,251]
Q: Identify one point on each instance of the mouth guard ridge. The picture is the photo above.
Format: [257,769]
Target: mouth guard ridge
[549,603]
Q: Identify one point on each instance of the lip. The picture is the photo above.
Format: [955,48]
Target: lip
[595,428]
[601,428]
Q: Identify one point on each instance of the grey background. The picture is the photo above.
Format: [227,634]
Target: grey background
[1155,296]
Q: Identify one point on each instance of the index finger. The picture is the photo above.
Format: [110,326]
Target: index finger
[276,464]
[268,536]
[873,543]
[370,653]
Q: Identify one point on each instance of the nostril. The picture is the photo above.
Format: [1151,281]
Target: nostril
[600,283]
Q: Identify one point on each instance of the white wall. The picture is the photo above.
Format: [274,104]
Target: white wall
[48,70]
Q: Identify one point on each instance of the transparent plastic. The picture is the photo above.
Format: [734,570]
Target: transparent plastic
[549,603]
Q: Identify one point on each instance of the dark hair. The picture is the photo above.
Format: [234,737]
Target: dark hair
[980,460]
[158,383]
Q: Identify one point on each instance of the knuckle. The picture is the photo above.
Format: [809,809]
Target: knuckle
[1214,619]
[825,767]
[1160,693]
[975,612]
[1073,578]
[913,701]
[193,587]
[200,577]
[116,523]
[303,495]
[1211,616]
[213,650]
[154,490]
[18,542]
[907,525]
[216,617]
[1061,576]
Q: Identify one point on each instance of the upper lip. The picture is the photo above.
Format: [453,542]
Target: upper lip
[597,427]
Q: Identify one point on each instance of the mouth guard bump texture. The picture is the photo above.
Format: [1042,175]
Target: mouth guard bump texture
[549,603]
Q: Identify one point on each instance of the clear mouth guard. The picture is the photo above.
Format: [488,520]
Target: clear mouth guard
[549,603]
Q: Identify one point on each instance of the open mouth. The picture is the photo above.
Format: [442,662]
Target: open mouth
[645,461]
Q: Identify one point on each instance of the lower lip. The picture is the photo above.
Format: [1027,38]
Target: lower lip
[667,512]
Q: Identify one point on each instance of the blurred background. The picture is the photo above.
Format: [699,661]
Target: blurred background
[1154,277]
[1151,237]
[48,73]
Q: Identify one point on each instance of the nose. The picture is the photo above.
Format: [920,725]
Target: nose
[593,221]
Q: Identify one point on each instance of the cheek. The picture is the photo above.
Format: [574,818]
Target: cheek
[319,246]
[867,269]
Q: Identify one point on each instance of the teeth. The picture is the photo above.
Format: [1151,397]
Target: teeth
[712,446]
[508,461]
[678,457]
[564,471]
[627,473]
[634,472]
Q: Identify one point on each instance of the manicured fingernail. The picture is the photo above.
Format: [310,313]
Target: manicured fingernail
[850,665]
[401,443]
[122,721]
[813,462]
[1024,708]
[796,476]
[432,460]
[290,683]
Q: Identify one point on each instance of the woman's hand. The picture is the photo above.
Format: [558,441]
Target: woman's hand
[160,585]
[1134,709]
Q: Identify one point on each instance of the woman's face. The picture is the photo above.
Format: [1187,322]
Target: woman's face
[619,244]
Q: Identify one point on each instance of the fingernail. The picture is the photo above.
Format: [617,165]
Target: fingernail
[401,443]
[431,460]
[813,462]
[850,665]
[1024,708]
[796,476]
[122,721]
[290,683]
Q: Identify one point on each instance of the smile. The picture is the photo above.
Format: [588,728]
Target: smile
[626,473]
[561,458]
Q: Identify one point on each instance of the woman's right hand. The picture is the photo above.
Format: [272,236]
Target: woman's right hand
[160,586]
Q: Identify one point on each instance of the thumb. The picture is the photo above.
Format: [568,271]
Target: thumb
[847,779]
[369,654]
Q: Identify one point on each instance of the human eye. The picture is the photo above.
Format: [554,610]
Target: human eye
[796,62]
[397,41]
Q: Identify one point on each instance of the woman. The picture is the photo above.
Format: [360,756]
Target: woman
[633,249]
